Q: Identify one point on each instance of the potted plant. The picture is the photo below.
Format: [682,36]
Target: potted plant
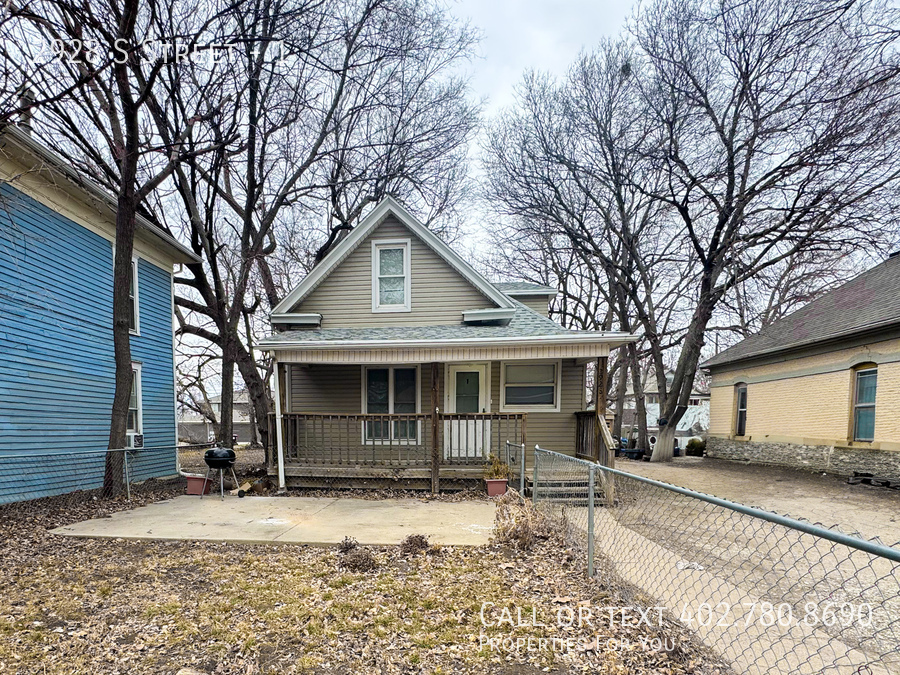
[496,475]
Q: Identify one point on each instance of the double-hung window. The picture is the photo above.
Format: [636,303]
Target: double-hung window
[390,276]
[529,386]
[135,406]
[864,404]
[740,426]
[133,316]
[391,391]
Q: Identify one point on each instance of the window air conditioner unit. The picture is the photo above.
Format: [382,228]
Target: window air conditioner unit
[136,440]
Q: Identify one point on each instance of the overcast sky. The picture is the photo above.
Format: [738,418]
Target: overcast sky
[544,34]
[519,35]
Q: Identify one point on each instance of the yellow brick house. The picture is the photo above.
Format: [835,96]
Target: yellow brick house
[820,388]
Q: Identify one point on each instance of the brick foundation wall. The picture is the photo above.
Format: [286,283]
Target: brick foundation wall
[820,458]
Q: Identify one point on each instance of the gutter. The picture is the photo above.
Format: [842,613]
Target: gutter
[56,163]
[577,338]
[875,330]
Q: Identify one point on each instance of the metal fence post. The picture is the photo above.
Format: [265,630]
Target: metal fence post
[522,473]
[534,480]
[590,528]
[127,477]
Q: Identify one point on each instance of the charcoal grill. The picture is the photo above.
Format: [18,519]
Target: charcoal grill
[219,459]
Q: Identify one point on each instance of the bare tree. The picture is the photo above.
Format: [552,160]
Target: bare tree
[700,165]
[776,124]
[82,65]
[331,108]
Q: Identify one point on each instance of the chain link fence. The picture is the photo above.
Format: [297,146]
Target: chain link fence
[76,475]
[769,593]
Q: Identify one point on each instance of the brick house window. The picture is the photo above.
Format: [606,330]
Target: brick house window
[740,427]
[866,384]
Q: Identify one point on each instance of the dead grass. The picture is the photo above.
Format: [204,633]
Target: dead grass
[92,606]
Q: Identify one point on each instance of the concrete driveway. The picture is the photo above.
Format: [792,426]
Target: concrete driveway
[296,520]
[820,498]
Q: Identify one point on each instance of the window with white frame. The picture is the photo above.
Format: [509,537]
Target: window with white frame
[390,276]
[135,404]
[391,391]
[529,386]
[865,387]
[740,424]
[133,318]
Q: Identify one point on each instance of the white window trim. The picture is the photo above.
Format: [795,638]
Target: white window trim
[377,245]
[556,407]
[857,404]
[365,403]
[137,305]
[137,367]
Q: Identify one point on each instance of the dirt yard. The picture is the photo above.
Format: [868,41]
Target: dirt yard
[826,499]
[113,606]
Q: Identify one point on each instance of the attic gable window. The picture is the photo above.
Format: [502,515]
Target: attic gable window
[390,276]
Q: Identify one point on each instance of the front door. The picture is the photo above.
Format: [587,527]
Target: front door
[466,437]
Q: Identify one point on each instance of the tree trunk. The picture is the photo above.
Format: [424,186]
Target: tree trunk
[258,391]
[226,408]
[685,371]
[640,408]
[113,478]
[621,389]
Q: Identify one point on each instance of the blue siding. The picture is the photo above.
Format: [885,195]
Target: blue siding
[56,353]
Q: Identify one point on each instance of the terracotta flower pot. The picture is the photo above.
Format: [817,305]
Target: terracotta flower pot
[195,485]
[495,486]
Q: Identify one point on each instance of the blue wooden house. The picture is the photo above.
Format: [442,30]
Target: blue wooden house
[57,234]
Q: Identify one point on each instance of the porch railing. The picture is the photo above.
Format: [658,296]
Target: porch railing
[586,438]
[350,440]
[404,440]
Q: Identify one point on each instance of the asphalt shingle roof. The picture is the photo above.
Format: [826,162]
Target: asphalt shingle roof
[867,302]
[525,323]
[524,287]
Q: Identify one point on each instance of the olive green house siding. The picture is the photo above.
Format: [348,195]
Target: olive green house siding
[347,338]
[439,294]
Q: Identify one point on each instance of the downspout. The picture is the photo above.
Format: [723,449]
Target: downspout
[279,433]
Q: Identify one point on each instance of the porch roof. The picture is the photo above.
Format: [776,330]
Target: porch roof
[527,335]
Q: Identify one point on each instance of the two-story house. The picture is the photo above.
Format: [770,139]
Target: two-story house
[396,359]
[57,370]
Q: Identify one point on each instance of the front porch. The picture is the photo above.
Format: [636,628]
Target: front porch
[390,417]
[409,450]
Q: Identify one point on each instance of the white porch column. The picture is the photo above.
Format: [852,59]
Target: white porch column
[279,433]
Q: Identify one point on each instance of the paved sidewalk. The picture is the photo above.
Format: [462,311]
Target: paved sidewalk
[298,520]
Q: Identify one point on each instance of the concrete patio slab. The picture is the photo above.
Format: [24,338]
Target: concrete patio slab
[296,520]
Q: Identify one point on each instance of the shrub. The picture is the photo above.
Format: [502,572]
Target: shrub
[414,544]
[348,544]
[360,560]
[495,468]
[517,523]
[695,448]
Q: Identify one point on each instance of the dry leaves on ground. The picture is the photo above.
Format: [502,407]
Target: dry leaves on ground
[100,606]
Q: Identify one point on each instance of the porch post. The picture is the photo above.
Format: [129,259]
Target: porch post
[602,403]
[279,432]
[435,450]
[600,383]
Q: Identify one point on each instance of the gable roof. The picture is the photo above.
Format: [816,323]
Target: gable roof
[27,148]
[867,303]
[386,207]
